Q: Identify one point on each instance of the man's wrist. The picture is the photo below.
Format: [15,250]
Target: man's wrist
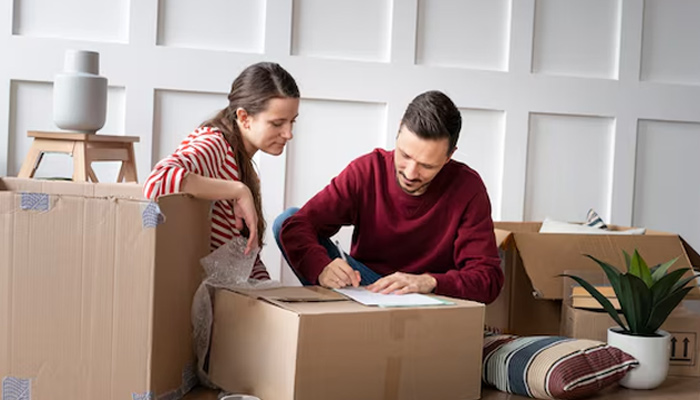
[431,282]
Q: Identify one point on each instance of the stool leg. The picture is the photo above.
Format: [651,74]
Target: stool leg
[91,174]
[31,163]
[129,166]
[79,163]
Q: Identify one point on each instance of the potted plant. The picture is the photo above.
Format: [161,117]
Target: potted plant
[647,296]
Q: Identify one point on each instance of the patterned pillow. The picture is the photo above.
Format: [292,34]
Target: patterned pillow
[552,367]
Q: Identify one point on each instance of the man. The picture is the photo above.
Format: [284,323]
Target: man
[422,221]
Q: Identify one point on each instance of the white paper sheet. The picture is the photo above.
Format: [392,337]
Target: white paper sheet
[364,296]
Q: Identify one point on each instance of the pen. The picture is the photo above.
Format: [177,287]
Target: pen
[340,250]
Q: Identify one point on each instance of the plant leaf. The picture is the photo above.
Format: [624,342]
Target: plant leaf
[664,286]
[607,305]
[662,310]
[635,301]
[627,259]
[685,281]
[634,264]
[643,269]
[660,270]
[612,273]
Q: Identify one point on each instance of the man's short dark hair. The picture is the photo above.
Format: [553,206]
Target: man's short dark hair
[432,115]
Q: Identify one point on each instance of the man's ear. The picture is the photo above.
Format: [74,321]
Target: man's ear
[449,157]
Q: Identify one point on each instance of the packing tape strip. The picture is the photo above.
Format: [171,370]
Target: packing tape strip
[392,378]
[151,215]
[144,396]
[397,323]
[35,201]
[16,388]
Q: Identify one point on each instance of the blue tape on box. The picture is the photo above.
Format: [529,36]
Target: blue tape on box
[16,388]
[151,216]
[144,396]
[34,201]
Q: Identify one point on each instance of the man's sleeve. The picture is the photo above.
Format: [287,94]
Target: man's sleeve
[322,216]
[478,275]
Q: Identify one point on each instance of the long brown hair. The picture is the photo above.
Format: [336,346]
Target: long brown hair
[252,91]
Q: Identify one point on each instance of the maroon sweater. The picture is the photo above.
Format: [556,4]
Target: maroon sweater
[447,231]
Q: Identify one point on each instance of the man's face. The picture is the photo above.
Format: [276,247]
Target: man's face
[417,161]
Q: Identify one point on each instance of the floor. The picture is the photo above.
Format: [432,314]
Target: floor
[675,388]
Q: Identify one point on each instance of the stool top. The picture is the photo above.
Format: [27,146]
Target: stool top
[82,137]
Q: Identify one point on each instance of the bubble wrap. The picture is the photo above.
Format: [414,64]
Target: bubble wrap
[228,268]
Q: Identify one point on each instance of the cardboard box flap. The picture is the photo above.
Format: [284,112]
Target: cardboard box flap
[545,256]
[502,237]
[67,188]
[306,294]
[693,255]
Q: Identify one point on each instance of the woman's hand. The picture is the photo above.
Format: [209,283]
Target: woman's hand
[244,212]
[222,189]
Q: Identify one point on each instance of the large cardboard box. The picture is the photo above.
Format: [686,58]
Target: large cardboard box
[311,343]
[683,324]
[96,290]
[530,302]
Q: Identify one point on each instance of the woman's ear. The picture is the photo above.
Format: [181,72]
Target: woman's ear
[243,117]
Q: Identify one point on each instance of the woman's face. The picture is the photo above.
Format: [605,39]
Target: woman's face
[271,129]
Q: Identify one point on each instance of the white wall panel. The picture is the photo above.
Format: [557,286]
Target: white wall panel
[352,30]
[667,184]
[569,167]
[177,114]
[33,111]
[480,146]
[576,38]
[328,136]
[500,60]
[671,41]
[464,33]
[235,25]
[104,20]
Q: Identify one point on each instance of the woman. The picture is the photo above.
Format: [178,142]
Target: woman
[215,161]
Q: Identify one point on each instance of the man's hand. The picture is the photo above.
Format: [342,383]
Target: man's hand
[339,274]
[402,283]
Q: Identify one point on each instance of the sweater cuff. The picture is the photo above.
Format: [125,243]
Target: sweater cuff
[311,265]
[445,284]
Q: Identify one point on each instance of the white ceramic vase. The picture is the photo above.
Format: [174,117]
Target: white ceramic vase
[80,94]
[653,354]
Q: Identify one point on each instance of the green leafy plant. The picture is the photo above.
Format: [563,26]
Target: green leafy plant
[647,295]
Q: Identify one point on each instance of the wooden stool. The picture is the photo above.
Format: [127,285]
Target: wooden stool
[84,148]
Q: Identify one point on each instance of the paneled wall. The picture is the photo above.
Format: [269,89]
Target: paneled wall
[567,104]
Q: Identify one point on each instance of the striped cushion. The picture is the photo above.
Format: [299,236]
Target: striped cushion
[552,367]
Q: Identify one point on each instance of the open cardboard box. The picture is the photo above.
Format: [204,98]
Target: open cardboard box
[96,289]
[683,324]
[530,302]
[312,343]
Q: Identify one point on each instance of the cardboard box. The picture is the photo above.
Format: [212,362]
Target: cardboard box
[311,343]
[96,290]
[530,303]
[683,324]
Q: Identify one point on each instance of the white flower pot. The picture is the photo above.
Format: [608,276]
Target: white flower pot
[653,354]
[80,94]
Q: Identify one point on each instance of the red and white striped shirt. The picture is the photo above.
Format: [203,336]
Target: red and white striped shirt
[204,152]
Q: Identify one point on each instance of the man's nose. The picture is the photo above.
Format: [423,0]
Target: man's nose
[411,171]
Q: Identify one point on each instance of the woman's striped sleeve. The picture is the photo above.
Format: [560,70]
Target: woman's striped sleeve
[202,154]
